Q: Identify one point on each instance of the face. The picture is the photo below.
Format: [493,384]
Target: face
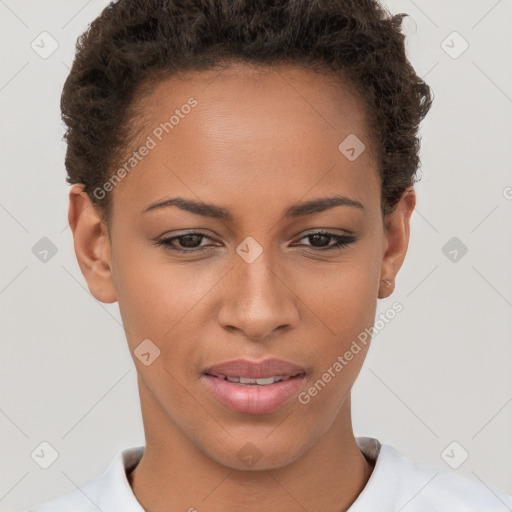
[262,278]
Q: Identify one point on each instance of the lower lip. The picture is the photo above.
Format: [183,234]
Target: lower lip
[254,399]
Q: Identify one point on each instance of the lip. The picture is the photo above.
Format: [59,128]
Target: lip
[254,399]
[255,369]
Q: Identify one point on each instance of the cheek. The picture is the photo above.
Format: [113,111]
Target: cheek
[163,301]
[340,306]
[341,300]
[343,310]
[150,295]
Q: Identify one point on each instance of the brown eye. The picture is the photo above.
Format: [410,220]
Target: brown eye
[188,242]
[319,240]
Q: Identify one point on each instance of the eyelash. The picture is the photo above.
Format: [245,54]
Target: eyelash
[341,241]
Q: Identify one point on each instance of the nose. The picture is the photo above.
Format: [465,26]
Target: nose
[258,299]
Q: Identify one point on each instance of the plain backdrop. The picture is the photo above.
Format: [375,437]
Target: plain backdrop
[437,380]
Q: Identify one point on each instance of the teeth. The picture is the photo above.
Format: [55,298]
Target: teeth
[259,382]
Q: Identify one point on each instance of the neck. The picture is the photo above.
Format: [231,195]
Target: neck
[174,475]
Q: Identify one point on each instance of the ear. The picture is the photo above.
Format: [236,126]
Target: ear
[396,237]
[92,245]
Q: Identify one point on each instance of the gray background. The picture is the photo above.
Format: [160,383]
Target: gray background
[438,373]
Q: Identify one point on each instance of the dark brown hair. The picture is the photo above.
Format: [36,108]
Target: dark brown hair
[135,42]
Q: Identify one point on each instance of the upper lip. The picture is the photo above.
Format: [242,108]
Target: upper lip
[255,369]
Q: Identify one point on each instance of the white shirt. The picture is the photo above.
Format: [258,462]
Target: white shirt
[396,484]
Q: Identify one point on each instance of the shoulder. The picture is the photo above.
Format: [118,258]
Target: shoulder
[398,483]
[108,492]
[437,489]
[74,500]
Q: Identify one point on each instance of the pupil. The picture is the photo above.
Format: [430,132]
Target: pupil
[316,237]
[185,240]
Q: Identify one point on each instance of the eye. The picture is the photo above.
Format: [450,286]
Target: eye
[322,238]
[188,242]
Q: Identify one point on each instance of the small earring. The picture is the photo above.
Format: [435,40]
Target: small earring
[386,281]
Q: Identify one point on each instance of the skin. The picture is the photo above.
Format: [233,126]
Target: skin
[256,143]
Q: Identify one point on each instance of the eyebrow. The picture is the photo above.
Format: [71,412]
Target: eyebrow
[218,212]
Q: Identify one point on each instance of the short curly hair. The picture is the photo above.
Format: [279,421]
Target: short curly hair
[134,43]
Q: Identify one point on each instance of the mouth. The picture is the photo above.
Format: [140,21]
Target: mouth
[254,395]
[254,387]
[248,381]
[246,371]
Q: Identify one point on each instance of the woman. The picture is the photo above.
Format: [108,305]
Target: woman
[243,181]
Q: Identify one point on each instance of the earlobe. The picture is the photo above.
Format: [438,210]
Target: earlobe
[92,245]
[396,241]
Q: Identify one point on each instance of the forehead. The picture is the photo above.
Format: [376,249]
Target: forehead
[270,95]
[250,130]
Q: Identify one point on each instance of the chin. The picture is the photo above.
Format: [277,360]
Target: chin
[255,453]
